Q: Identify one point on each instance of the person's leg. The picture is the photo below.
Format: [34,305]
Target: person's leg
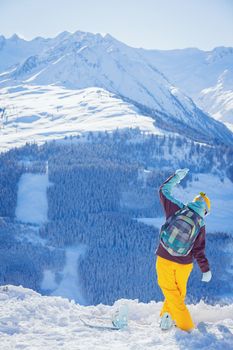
[171,283]
[165,308]
[182,273]
[166,279]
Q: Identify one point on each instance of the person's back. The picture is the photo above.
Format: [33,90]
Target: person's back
[173,269]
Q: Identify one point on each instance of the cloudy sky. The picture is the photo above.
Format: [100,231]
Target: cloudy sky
[159,24]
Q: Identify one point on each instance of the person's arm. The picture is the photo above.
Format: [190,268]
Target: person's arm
[170,203]
[199,251]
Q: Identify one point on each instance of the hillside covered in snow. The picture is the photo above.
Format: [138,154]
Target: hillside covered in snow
[39,114]
[31,321]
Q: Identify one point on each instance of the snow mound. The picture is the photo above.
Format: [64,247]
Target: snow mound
[31,321]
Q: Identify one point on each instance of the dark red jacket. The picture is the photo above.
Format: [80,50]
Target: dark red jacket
[171,205]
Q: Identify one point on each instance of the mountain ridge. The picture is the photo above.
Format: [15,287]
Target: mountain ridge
[84,60]
[198,72]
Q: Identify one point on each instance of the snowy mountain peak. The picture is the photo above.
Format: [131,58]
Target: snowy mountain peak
[2,38]
[15,37]
[62,35]
[83,60]
[220,54]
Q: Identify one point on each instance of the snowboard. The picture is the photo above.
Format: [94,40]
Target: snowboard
[99,324]
[119,321]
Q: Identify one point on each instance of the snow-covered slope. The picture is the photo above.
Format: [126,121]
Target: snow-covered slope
[84,60]
[207,77]
[218,99]
[32,203]
[40,113]
[31,321]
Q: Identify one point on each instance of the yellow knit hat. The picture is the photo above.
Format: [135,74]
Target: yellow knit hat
[202,197]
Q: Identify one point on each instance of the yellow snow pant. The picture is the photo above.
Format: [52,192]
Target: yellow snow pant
[172,279]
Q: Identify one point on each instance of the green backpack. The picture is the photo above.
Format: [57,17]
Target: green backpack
[179,232]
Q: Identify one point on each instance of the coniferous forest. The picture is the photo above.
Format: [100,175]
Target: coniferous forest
[99,187]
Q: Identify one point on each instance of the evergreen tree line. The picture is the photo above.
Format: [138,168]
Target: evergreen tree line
[98,188]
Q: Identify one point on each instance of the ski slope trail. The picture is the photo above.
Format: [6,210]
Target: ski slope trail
[32,206]
[31,321]
[69,286]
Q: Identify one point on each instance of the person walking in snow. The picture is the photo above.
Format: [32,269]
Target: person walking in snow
[182,238]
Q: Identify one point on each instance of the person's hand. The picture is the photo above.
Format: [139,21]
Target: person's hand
[206,276]
[181,173]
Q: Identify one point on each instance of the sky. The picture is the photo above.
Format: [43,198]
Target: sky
[152,24]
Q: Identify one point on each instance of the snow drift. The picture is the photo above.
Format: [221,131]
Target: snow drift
[31,321]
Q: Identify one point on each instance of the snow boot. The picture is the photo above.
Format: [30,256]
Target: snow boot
[166,322]
[120,318]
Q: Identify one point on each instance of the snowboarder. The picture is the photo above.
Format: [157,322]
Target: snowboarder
[182,238]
